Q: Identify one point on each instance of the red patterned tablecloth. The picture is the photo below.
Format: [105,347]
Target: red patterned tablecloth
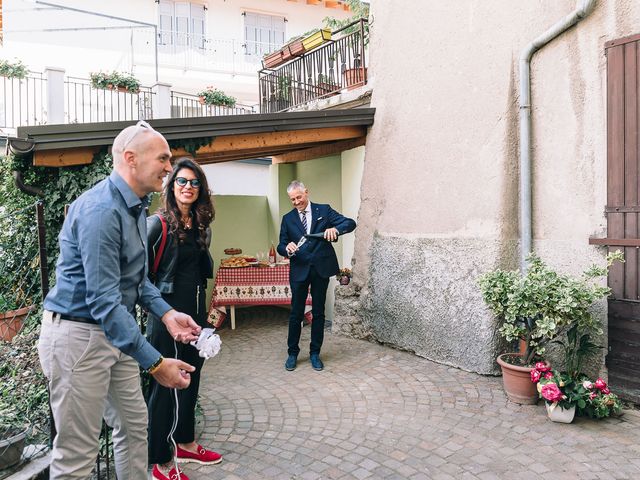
[250,286]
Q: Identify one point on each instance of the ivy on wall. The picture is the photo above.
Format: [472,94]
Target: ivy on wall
[61,186]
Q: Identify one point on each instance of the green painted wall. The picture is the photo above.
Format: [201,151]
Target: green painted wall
[241,221]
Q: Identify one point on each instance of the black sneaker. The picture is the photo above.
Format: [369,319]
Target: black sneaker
[316,363]
[290,364]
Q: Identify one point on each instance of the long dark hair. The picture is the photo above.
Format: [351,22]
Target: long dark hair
[202,211]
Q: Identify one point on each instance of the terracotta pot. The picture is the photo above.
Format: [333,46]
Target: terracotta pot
[202,101]
[558,414]
[517,382]
[11,322]
[355,77]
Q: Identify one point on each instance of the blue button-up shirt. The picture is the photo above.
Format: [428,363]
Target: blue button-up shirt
[102,269]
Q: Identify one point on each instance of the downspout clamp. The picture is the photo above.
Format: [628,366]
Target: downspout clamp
[583,9]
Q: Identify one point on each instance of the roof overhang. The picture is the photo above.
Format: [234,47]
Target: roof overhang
[286,137]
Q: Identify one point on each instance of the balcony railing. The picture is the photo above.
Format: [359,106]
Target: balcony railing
[73,100]
[196,52]
[184,105]
[87,104]
[22,102]
[336,66]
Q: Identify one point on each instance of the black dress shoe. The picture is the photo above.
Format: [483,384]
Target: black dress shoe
[316,363]
[290,364]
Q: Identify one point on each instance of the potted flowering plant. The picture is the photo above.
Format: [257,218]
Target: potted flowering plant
[213,96]
[570,392]
[344,276]
[115,81]
[566,396]
[538,307]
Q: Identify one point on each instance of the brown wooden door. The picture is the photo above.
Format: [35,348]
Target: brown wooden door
[623,208]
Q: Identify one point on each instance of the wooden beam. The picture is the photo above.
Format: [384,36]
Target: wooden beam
[319,151]
[272,140]
[64,157]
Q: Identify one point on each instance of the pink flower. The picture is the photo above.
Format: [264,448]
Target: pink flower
[535,376]
[551,392]
[587,384]
[541,367]
[600,384]
[593,395]
[606,390]
[548,375]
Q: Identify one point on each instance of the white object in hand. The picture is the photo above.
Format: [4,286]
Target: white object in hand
[208,343]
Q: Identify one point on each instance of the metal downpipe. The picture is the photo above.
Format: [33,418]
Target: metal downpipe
[583,9]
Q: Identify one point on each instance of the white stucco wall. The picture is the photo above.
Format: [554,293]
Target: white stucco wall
[440,184]
[80,52]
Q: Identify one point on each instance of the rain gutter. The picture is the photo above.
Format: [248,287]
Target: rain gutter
[583,9]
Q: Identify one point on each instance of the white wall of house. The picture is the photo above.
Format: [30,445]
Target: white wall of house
[440,182]
[221,60]
[238,178]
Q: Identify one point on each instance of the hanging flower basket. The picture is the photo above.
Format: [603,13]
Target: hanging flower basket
[122,82]
[214,96]
[13,69]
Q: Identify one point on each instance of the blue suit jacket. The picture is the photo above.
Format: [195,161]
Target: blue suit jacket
[316,252]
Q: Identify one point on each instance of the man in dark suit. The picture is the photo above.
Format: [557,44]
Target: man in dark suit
[312,263]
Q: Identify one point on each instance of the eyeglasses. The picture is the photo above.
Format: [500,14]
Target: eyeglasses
[182,182]
[139,127]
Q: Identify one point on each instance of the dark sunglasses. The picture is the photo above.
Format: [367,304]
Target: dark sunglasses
[182,182]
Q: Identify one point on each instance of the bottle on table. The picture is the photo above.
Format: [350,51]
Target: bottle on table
[272,255]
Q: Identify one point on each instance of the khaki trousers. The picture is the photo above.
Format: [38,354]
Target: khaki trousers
[89,378]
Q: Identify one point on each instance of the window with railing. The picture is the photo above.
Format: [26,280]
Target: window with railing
[262,33]
[181,25]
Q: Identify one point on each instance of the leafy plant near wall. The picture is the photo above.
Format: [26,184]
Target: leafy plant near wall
[114,80]
[191,145]
[214,96]
[360,10]
[15,69]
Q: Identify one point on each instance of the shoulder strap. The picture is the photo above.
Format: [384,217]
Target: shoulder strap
[163,242]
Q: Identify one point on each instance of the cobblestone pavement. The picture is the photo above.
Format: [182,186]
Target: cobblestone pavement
[379,413]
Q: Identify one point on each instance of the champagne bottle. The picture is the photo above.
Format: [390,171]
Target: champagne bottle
[319,236]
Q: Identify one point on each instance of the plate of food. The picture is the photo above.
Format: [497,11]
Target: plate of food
[234,262]
[232,251]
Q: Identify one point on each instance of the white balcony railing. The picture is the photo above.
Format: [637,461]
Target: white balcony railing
[195,52]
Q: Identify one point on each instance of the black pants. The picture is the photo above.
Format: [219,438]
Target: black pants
[162,403]
[299,292]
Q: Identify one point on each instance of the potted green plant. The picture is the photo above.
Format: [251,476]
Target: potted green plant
[213,96]
[123,82]
[13,69]
[537,307]
[326,86]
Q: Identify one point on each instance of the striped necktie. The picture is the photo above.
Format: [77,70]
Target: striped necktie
[303,219]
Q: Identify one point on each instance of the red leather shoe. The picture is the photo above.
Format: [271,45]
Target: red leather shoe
[203,457]
[173,474]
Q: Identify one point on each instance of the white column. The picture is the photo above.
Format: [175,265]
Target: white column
[55,95]
[161,101]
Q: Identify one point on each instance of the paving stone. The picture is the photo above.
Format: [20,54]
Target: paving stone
[379,413]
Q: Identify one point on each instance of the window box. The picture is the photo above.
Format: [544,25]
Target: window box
[273,59]
[316,39]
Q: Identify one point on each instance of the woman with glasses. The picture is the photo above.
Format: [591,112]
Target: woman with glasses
[181,276]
